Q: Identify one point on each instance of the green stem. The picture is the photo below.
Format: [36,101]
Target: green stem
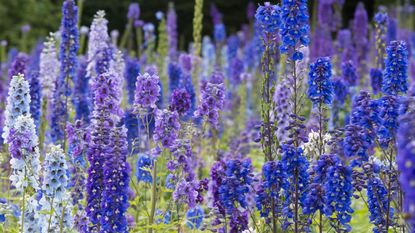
[24,201]
[80,8]
[153,197]
[126,34]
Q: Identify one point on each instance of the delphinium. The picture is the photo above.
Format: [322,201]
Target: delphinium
[320,92]
[294,33]
[219,30]
[360,39]
[81,92]
[34,83]
[116,184]
[231,181]
[162,50]
[149,42]
[394,83]
[48,73]
[55,204]
[18,103]
[194,217]
[19,65]
[68,64]
[172,31]
[25,165]
[381,23]
[102,123]
[269,193]
[338,195]
[182,178]
[283,110]
[211,100]
[405,161]
[365,119]
[268,19]
[296,165]
[98,40]
[322,43]
[147,94]
[147,91]
[132,70]
[78,140]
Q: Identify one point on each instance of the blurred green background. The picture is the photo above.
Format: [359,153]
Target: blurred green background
[44,15]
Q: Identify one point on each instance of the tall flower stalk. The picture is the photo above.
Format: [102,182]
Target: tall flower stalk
[68,63]
[320,92]
[294,33]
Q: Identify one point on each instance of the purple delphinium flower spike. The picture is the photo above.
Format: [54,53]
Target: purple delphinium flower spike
[68,63]
[105,109]
[116,184]
[166,127]
[211,100]
[283,110]
[18,65]
[147,91]
[98,41]
[133,11]
[360,33]
[171,24]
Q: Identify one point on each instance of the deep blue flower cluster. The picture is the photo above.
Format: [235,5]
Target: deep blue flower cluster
[194,217]
[295,164]
[180,101]
[356,143]
[365,113]
[236,184]
[396,66]
[340,90]
[268,18]
[69,62]
[376,77]
[314,197]
[388,113]
[132,70]
[273,182]
[219,32]
[81,90]
[349,73]
[294,28]
[144,165]
[105,104]
[406,158]
[116,185]
[338,194]
[320,86]
[377,198]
